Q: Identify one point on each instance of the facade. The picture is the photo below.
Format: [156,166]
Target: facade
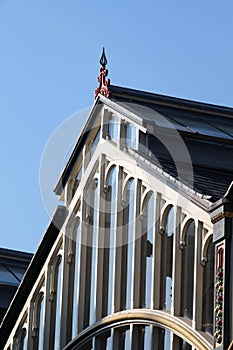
[13,265]
[140,254]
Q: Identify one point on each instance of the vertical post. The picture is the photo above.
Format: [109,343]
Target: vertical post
[222,219]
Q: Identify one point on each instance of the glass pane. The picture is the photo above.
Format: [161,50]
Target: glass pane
[41,325]
[188,272]
[148,338]
[130,226]
[127,345]
[131,136]
[58,307]
[147,231]
[111,200]
[167,256]
[113,128]
[95,143]
[200,126]
[94,253]
[24,340]
[76,284]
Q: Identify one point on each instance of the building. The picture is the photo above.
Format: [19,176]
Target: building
[140,255]
[13,265]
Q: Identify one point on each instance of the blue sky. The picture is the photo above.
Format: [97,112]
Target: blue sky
[49,63]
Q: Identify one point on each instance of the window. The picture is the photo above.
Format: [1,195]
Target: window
[147,253]
[208,291]
[40,345]
[188,271]
[88,257]
[131,136]
[94,256]
[167,256]
[95,143]
[77,180]
[24,340]
[57,305]
[76,284]
[127,251]
[113,128]
[110,224]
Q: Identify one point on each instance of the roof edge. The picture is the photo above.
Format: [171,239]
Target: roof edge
[124,92]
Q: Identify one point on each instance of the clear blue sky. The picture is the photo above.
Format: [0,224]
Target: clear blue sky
[49,62]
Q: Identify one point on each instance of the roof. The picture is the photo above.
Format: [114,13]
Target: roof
[206,181]
[15,254]
[196,120]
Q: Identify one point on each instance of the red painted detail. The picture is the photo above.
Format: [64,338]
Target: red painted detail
[220,258]
[219,289]
[104,83]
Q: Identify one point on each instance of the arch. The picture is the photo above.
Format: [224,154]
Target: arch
[108,171]
[144,200]
[205,246]
[125,185]
[36,310]
[147,317]
[164,214]
[184,227]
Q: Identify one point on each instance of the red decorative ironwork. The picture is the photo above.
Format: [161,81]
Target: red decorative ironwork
[219,295]
[104,83]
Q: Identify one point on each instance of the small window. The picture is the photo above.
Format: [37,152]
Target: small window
[76,284]
[56,307]
[95,143]
[77,180]
[131,136]
[40,344]
[22,340]
[167,257]
[188,272]
[147,253]
[143,142]
[113,128]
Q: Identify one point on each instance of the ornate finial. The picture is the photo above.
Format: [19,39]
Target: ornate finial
[103,59]
[103,88]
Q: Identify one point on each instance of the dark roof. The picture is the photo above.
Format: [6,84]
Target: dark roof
[207,181]
[15,254]
[13,264]
[195,119]
[132,95]
[32,273]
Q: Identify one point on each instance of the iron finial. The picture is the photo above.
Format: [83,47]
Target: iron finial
[103,59]
[103,88]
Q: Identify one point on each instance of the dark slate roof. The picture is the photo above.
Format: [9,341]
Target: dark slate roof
[193,119]
[207,181]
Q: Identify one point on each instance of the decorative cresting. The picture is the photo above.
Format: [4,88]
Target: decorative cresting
[221,215]
[219,296]
[104,83]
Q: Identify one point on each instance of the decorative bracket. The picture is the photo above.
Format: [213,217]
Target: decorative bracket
[104,83]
